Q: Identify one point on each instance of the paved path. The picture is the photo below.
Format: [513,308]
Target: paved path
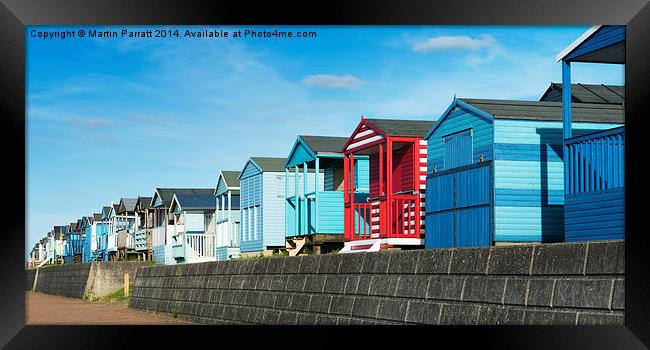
[49,309]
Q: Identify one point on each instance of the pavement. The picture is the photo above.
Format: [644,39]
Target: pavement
[46,309]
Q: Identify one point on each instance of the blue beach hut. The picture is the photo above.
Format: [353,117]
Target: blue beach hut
[314,215]
[103,229]
[495,172]
[262,181]
[594,170]
[94,229]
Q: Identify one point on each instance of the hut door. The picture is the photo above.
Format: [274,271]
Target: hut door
[459,208]
[458,149]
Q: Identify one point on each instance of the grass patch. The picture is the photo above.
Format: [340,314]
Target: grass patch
[117,296]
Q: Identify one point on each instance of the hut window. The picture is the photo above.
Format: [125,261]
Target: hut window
[458,149]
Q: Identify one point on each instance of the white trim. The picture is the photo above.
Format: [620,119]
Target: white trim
[577,42]
[364,133]
[366,141]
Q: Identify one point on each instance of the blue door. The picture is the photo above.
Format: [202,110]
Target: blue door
[459,204]
[458,149]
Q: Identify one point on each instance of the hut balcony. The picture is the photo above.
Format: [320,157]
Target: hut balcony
[194,247]
[142,239]
[595,189]
[392,214]
[311,209]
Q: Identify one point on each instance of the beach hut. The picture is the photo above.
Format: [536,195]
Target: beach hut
[314,214]
[88,235]
[111,240]
[163,223]
[125,226]
[68,239]
[34,256]
[594,167]
[57,243]
[495,170]
[261,182]
[193,239]
[43,251]
[103,229]
[93,229]
[227,219]
[393,214]
[143,231]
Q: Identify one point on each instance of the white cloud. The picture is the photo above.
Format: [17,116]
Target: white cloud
[457,42]
[333,81]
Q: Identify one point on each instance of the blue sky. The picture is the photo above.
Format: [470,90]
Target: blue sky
[112,118]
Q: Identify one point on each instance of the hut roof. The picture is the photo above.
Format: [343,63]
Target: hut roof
[330,144]
[167,194]
[269,163]
[399,127]
[127,204]
[549,111]
[194,201]
[587,93]
[143,203]
[231,177]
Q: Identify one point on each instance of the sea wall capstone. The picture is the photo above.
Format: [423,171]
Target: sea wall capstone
[96,279]
[566,283]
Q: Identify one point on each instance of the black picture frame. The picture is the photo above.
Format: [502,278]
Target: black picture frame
[16,14]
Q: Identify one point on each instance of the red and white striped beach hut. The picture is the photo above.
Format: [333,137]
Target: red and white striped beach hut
[393,215]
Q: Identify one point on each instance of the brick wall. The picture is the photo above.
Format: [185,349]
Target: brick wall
[94,279]
[577,283]
[65,280]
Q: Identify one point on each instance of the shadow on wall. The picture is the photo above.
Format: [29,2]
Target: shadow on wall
[552,201]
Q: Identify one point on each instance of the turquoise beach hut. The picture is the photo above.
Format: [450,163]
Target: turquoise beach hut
[314,215]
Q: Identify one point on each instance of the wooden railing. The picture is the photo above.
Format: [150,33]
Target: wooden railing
[405,216]
[362,221]
[141,239]
[595,162]
[199,246]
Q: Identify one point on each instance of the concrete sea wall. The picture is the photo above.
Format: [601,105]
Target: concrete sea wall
[85,280]
[566,283]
